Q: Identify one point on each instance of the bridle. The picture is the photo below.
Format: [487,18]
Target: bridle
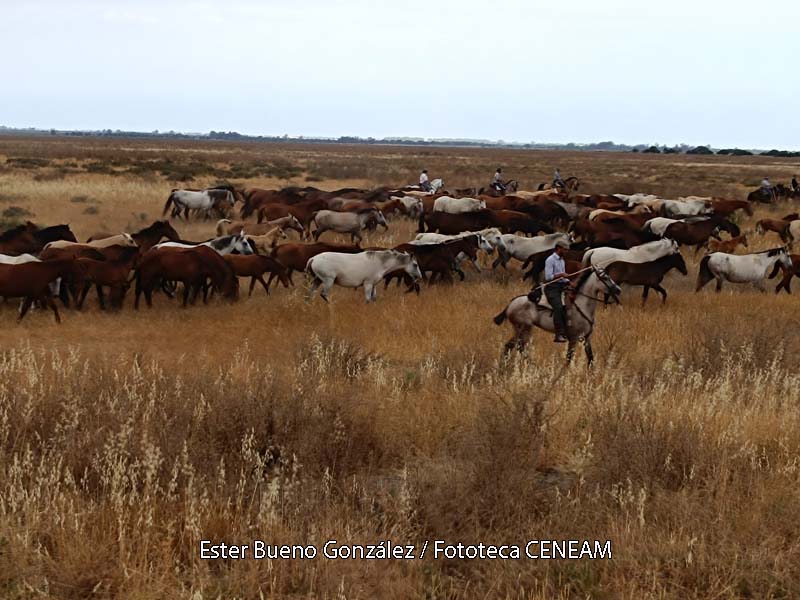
[611,293]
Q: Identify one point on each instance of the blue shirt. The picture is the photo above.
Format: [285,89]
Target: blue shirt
[552,266]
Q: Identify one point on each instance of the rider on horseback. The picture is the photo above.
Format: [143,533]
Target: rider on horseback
[556,283]
[766,188]
[558,182]
[497,182]
[424,184]
[795,185]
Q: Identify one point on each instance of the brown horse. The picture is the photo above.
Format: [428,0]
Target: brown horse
[786,282]
[727,246]
[31,281]
[111,273]
[254,266]
[29,239]
[728,207]
[191,266]
[146,238]
[294,255]
[779,226]
[695,231]
[303,211]
[649,274]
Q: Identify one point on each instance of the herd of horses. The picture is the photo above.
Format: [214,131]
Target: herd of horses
[613,239]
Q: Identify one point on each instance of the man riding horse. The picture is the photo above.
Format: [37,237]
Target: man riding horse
[424,184]
[497,181]
[558,182]
[556,284]
[766,188]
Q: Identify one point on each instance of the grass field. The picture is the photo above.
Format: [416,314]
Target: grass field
[127,438]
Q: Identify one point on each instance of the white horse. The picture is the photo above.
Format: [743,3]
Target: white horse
[412,205]
[638,254]
[222,245]
[346,222]
[526,312]
[491,235]
[741,268]
[365,269]
[672,208]
[453,206]
[436,185]
[522,248]
[658,225]
[638,198]
[204,201]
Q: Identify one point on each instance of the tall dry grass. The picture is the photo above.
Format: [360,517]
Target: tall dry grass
[126,438]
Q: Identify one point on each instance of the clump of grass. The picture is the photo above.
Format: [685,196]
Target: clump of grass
[90,210]
[25,162]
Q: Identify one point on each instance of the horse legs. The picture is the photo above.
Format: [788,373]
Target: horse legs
[313,288]
[23,308]
[262,282]
[785,283]
[82,297]
[100,297]
[570,350]
[252,285]
[185,294]
[518,341]
[661,291]
[644,294]
[49,301]
[369,292]
[587,347]
[719,284]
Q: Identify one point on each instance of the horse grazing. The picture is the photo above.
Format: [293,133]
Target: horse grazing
[114,274]
[205,201]
[192,266]
[779,226]
[741,268]
[785,283]
[356,270]
[525,312]
[254,266]
[352,223]
[32,282]
[727,246]
[294,256]
[649,274]
[145,238]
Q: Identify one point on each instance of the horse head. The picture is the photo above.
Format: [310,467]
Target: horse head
[677,262]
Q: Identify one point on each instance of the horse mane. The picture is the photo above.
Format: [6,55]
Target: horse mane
[583,279]
[773,251]
[791,217]
[363,211]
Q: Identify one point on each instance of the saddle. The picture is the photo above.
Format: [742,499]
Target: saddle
[537,296]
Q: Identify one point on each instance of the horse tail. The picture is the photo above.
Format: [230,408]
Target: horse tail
[500,317]
[170,201]
[704,275]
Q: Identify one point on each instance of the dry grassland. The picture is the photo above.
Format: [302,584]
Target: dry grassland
[127,438]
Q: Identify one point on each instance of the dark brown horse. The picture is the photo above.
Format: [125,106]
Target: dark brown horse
[254,266]
[726,208]
[695,231]
[649,274]
[295,255]
[191,266]
[31,281]
[453,224]
[29,239]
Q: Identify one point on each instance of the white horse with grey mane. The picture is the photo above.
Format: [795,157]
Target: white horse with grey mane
[526,312]
[455,206]
[346,222]
[741,268]
[222,245]
[638,254]
[673,208]
[365,269]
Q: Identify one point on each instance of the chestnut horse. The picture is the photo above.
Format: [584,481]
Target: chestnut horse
[191,266]
[254,266]
[113,274]
[31,281]
[649,274]
[794,271]
[294,256]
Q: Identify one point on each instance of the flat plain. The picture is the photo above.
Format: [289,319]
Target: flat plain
[126,438]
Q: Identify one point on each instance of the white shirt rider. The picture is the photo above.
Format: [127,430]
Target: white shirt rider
[423,178]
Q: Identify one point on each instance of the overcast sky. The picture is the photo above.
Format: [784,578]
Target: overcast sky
[721,72]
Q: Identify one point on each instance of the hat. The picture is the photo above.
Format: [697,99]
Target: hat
[562,244]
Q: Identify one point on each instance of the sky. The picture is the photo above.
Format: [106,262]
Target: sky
[718,72]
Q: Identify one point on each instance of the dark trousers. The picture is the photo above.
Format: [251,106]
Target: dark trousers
[553,293]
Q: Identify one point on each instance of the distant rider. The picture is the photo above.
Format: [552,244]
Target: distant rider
[555,277]
[766,188]
[497,182]
[558,182]
[424,184]
[795,185]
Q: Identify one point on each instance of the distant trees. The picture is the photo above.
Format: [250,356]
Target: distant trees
[700,150]
[652,150]
[734,152]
